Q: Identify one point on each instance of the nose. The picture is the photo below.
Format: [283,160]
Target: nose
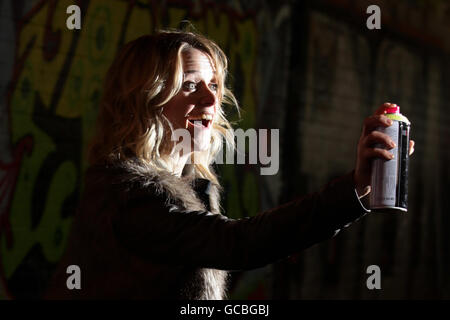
[207,98]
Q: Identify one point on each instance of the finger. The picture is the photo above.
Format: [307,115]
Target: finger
[372,153]
[411,147]
[377,137]
[372,122]
[383,107]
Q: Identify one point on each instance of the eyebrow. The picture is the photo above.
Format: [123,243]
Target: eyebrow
[195,71]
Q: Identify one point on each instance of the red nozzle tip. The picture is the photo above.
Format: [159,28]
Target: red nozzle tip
[394,109]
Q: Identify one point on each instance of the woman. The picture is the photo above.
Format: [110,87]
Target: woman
[149,223]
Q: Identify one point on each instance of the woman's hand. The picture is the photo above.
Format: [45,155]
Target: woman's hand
[367,150]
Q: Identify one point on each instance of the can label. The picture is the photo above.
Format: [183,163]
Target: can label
[390,177]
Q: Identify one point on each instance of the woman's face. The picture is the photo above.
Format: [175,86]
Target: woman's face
[194,106]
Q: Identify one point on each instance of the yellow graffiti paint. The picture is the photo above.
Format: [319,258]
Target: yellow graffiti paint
[97,46]
[51,226]
[139,24]
[39,78]
[20,216]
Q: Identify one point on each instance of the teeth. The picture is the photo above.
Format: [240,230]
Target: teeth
[204,116]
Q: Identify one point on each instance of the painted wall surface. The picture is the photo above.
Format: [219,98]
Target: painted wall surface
[49,107]
[349,72]
[312,71]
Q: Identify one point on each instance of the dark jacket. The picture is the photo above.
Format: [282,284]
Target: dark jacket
[143,234]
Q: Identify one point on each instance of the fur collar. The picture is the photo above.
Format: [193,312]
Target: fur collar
[182,194]
[134,173]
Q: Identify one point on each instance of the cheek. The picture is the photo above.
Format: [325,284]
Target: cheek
[175,112]
[170,113]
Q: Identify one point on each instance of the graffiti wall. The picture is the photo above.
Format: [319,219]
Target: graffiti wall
[50,104]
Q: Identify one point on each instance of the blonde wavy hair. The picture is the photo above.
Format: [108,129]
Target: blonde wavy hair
[144,76]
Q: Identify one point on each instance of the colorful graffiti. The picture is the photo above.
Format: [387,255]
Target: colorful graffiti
[52,104]
[315,83]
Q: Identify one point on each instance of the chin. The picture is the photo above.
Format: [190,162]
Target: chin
[201,142]
[200,146]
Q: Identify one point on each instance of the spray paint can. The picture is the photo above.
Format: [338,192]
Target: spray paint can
[389,181]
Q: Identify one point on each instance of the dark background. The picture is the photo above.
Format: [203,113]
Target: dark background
[311,69]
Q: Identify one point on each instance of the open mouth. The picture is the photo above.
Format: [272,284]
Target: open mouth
[203,120]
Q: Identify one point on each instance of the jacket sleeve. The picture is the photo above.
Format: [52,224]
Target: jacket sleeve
[147,228]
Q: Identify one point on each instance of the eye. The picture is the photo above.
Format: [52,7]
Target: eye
[213,87]
[190,86]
